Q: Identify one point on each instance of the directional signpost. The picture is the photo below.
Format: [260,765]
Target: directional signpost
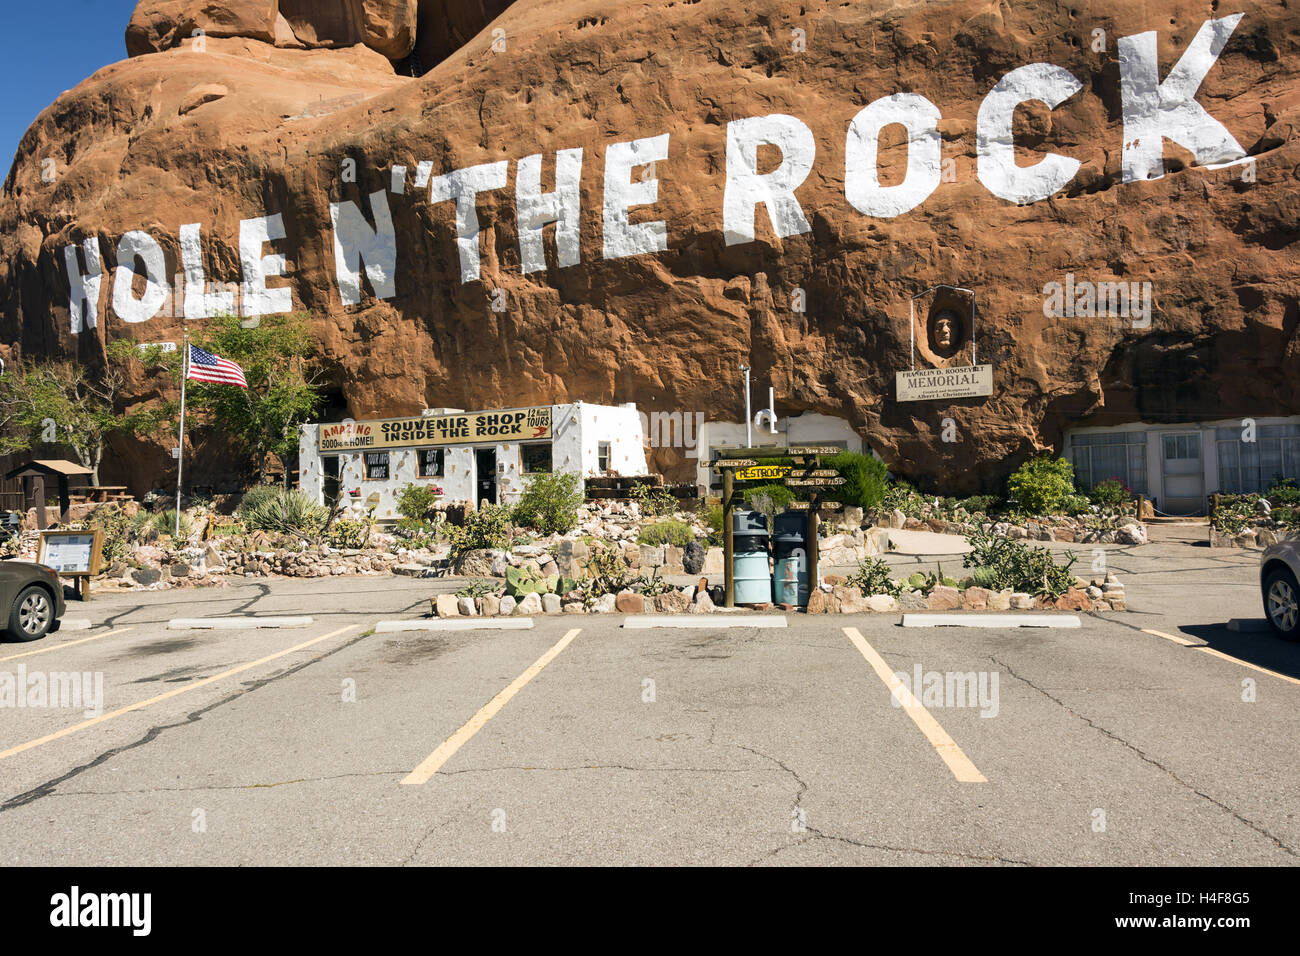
[746,464]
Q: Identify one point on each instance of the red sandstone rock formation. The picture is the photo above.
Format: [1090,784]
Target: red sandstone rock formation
[253,125]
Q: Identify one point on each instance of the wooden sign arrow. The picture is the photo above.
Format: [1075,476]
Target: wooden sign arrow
[734,463]
[814,482]
[763,473]
[814,450]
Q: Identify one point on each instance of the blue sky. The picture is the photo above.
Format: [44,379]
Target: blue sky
[47,51]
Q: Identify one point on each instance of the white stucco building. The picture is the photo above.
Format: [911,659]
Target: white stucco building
[471,456]
[1179,466]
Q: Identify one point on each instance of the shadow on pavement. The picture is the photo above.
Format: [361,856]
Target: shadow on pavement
[1263,648]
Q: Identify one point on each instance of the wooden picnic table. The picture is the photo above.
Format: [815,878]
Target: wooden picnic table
[103,493]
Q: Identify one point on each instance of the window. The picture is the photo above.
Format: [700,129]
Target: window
[536,458]
[1182,447]
[1121,455]
[1251,466]
[602,458]
[376,464]
[431,462]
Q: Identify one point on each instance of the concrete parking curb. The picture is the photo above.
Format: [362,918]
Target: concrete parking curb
[234,623]
[456,624]
[1249,625]
[990,620]
[693,621]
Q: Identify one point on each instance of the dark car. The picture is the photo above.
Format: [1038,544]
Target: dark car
[31,600]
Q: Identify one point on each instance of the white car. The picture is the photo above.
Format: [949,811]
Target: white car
[1279,570]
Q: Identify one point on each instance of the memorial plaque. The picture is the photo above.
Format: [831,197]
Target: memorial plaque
[928,384]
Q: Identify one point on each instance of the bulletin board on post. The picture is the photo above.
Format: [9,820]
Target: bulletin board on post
[73,554]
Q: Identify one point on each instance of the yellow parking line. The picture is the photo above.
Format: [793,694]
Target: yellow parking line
[961,766]
[1220,654]
[1170,637]
[429,766]
[171,693]
[61,645]
[1254,667]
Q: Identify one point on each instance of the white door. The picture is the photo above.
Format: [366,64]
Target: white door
[1184,475]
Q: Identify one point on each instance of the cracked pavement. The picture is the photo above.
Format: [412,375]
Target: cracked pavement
[759,747]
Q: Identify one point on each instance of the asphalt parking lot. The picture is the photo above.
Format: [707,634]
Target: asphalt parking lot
[1153,736]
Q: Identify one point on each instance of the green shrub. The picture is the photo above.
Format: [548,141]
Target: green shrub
[479,588]
[769,499]
[1284,491]
[1110,493]
[489,526]
[1076,505]
[1041,485]
[866,483]
[667,531]
[978,504]
[550,502]
[874,576]
[287,511]
[417,501]
[1001,562]
[711,515]
[653,502]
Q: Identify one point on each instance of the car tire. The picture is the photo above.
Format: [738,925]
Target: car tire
[32,615]
[1282,603]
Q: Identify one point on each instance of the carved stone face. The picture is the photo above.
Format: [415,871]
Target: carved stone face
[945,333]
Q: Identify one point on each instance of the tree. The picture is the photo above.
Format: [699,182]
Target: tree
[283,388]
[61,402]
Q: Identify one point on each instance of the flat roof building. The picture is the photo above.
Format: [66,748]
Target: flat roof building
[470,456]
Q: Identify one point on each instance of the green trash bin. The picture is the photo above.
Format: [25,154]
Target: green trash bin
[749,568]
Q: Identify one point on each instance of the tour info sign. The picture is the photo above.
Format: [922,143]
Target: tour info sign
[515,424]
[924,384]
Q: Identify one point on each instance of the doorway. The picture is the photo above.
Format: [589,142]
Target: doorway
[485,475]
[330,484]
[1183,475]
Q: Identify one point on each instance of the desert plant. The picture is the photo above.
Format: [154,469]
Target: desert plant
[254,497]
[164,523]
[874,576]
[550,502]
[350,532]
[608,571]
[978,504]
[417,501]
[668,531]
[490,526]
[479,588]
[1041,485]
[288,511]
[651,584]
[653,502]
[524,581]
[1005,563]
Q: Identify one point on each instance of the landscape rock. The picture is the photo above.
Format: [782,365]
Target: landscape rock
[508,605]
[446,605]
[944,598]
[467,607]
[629,602]
[976,598]
[550,604]
[882,603]
[529,605]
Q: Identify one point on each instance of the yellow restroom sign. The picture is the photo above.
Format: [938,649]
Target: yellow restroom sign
[763,473]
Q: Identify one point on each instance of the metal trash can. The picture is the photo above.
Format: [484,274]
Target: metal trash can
[749,569]
[790,557]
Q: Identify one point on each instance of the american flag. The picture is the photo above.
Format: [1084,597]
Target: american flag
[206,367]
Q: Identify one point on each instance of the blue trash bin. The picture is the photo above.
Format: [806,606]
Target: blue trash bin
[790,558]
[749,568]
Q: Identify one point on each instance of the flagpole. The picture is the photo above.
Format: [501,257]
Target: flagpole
[180,450]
